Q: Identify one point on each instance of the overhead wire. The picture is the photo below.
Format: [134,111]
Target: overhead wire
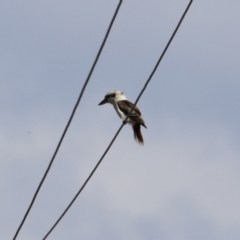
[120,128]
[70,119]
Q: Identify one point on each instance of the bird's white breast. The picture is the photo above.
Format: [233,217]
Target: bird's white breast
[119,112]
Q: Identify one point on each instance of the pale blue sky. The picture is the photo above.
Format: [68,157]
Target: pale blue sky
[184,184]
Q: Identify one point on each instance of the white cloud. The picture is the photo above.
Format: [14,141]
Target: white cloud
[192,171]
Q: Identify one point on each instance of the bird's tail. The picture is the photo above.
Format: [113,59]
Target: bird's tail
[137,133]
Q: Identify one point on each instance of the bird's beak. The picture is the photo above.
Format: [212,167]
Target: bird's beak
[103,102]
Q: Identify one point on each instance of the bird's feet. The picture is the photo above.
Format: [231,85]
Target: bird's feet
[124,122]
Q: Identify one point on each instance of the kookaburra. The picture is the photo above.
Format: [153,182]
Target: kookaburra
[123,107]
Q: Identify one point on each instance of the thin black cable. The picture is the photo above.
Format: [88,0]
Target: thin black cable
[70,119]
[161,57]
[118,131]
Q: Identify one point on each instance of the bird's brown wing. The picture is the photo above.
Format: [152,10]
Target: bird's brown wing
[125,106]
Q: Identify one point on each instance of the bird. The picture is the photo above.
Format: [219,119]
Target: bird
[123,107]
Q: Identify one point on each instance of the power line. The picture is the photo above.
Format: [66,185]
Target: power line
[118,131]
[70,119]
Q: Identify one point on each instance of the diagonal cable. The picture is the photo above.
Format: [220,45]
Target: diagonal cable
[70,119]
[118,131]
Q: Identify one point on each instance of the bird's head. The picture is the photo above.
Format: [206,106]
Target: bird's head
[113,97]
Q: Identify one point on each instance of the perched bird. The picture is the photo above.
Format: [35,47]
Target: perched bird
[123,107]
